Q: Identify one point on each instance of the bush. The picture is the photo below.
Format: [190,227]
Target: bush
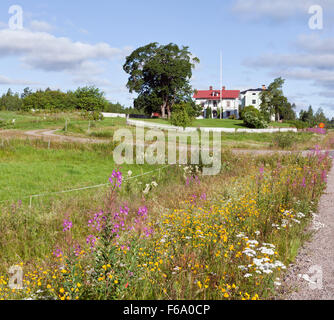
[182,115]
[252,120]
[299,124]
[249,109]
[283,140]
[180,118]
[232,117]
[92,115]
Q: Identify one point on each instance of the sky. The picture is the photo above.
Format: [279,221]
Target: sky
[67,44]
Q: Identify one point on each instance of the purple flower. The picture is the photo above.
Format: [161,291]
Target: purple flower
[116,178]
[303,183]
[67,224]
[142,212]
[124,210]
[97,222]
[203,196]
[261,170]
[91,240]
[57,253]
[148,232]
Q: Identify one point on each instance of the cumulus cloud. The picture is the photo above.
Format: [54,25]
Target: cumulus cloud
[43,51]
[313,60]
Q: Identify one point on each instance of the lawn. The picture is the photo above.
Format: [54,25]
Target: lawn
[217,123]
[29,167]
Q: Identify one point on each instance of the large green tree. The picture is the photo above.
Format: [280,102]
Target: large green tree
[160,75]
[90,99]
[275,103]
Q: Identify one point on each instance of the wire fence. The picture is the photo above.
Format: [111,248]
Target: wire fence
[31,197]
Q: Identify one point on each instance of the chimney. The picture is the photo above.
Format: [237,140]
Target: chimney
[224,87]
[264,87]
[211,87]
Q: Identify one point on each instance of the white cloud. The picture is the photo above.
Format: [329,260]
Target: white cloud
[313,61]
[43,51]
[7,81]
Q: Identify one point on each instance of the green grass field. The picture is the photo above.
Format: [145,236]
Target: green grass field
[29,167]
[217,123]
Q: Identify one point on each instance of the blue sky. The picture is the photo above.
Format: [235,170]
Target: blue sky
[66,44]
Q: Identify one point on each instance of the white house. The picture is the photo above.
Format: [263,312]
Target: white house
[251,97]
[225,100]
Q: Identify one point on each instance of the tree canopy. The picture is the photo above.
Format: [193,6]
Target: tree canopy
[160,75]
[275,103]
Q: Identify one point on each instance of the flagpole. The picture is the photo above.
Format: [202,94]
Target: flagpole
[221,83]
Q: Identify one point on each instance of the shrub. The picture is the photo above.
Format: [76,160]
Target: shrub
[92,115]
[283,140]
[249,109]
[232,117]
[182,115]
[252,120]
[299,124]
[180,118]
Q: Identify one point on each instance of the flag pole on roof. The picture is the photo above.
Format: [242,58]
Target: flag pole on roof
[221,83]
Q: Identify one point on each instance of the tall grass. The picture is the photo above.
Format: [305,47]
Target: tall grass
[223,237]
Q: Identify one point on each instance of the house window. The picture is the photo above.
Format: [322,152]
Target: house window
[254,102]
[228,104]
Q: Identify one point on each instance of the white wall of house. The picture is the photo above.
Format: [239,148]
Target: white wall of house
[229,106]
[251,98]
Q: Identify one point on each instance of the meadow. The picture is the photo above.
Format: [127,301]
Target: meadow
[168,234]
[182,237]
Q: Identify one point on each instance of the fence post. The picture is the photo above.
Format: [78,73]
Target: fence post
[30,202]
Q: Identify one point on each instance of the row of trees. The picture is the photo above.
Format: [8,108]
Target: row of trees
[82,99]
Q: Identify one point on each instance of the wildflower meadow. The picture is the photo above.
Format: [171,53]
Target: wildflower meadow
[229,236]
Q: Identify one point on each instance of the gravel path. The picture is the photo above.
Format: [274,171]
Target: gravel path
[311,277]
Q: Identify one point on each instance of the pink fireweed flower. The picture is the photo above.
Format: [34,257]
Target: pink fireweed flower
[148,232]
[91,241]
[303,183]
[67,224]
[142,212]
[57,253]
[77,250]
[203,197]
[124,211]
[98,221]
[116,178]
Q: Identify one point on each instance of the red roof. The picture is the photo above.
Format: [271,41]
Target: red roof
[209,94]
